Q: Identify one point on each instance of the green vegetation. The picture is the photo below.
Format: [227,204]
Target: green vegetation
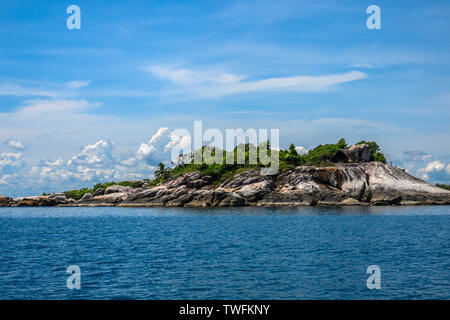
[321,155]
[443,186]
[78,194]
[375,150]
[217,171]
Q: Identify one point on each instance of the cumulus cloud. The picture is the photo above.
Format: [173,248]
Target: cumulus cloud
[435,172]
[51,163]
[159,147]
[130,162]
[99,154]
[207,84]
[99,162]
[15,144]
[10,167]
[301,149]
[95,163]
[434,166]
[10,161]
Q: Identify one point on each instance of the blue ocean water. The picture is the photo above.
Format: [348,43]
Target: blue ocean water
[241,253]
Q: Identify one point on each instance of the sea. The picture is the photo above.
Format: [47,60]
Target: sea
[225,253]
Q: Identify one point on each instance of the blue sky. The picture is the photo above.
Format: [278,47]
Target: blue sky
[96,97]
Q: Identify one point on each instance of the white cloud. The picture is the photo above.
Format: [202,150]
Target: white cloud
[206,84]
[363,66]
[434,166]
[10,160]
[50,163]
[15,144]
[299,83]
[95,163]
[435,171]
[159,147]
[35,108]
[17,90]
[420,164]
[130,162]
[99,154]
[301,150]
[99,162]
[73,85]
[49,90]
[188,76]
[10,167]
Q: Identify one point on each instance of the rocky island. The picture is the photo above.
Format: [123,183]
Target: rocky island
[343,176]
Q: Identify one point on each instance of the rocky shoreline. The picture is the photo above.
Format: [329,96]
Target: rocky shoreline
[367,183]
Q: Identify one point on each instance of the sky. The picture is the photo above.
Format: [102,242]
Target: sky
[102,102]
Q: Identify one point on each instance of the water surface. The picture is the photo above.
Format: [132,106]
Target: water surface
[238,253]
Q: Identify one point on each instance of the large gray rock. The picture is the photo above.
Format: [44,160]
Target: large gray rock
[86,197]
[176,183]
[142,196]
[104,200]
[371,183]
[179,201]
[255,191]
[193,175]
[215,198]
[37,201]
[5,201]
[246,177]
[197,183]
[59,198]
[356,153]
[117,189]
[99,192]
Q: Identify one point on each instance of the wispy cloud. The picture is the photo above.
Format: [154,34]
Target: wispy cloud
[207,84]
[41,107]
[188,76]
[364,66]
[50,90]
[17,90]
[73,85]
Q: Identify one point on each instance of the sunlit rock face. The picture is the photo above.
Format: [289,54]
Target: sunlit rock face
[369,183]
